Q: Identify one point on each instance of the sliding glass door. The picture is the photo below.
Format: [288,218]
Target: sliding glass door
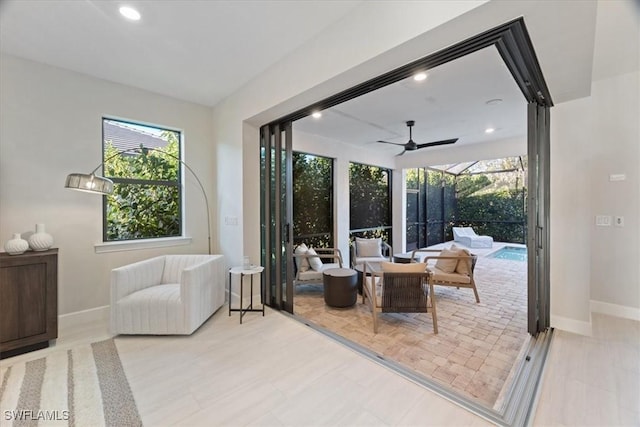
[538,218]
[514,46]
[276,180]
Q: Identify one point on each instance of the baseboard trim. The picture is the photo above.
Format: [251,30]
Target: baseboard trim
[615,310]
[572,325]
[78,318]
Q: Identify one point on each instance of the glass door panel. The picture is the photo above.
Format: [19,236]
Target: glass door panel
[276,214]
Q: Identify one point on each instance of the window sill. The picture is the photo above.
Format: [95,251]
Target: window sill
[133,245]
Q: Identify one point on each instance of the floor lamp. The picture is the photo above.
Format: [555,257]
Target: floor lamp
[92,183]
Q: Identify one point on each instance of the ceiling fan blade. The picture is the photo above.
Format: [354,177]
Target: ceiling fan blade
[394,143]
[434,143]
[403,151]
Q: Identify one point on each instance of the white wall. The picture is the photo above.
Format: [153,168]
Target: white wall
[595,267]
[313,72]
[51,125]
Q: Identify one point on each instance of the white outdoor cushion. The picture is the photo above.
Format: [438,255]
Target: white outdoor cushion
[447,265]
[302,263]
[371,260]
[368,247]
[463,264]
[315,262]
[313,275]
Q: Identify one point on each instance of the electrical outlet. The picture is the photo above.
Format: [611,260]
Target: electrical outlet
[603,220]
[619,221]
[231,220]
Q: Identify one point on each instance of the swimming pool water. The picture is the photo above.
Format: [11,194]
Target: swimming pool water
[512,253]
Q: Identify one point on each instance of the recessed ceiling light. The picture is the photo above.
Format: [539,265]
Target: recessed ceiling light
[130,13]
[316,114]
[419,77]
[494,101]
[489,130]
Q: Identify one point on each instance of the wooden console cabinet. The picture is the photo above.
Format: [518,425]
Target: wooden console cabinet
[28,301]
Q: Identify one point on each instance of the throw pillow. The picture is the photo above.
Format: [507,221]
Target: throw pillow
[394,267]
[463,264]
[302,263]
[369,248]
[447,265]
[314,261]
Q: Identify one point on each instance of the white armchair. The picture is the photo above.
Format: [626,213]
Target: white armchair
[372,251]
[166,295]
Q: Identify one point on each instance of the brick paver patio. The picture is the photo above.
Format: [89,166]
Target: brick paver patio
[477,344]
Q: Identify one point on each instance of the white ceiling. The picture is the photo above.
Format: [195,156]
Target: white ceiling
[450,103]
[200,51]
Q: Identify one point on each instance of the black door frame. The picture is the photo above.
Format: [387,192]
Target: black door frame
[516,49]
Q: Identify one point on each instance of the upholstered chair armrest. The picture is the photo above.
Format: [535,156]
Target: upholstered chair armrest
[417,251]
[134,277]
[198,284]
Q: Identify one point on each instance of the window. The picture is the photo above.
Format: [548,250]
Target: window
[143,163]
[370,201]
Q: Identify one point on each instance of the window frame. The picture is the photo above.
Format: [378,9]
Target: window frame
[145,241]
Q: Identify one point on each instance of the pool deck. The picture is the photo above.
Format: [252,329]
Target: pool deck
[480,252]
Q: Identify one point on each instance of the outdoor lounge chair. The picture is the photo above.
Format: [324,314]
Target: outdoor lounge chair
[371,251]
[309,265]
[469,238]
[452,267]
[399,291]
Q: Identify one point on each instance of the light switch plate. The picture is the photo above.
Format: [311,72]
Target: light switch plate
[603,220]
[617,177]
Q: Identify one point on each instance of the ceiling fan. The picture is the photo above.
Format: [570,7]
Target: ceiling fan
[412,146]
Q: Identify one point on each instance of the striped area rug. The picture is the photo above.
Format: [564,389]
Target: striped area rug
[84,386]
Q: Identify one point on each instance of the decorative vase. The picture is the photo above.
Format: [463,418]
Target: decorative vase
[40,240]
[17,245]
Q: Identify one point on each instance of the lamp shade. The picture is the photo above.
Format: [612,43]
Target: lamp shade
[89,183]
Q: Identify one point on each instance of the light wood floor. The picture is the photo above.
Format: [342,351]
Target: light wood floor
[593,381]
[276,371]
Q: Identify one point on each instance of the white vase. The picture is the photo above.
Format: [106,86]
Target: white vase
[17,245]
[40,240]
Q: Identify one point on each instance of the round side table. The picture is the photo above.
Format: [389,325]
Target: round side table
[246,271]
[340,287]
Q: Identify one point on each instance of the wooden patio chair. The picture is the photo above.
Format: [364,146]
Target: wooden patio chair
[370,250]
[309,265]
[399,292]
[453,267]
